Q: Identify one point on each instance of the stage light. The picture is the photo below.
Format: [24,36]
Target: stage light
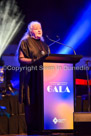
[3,111]
[15,83]
[1,74]
[80,31]
[11,21]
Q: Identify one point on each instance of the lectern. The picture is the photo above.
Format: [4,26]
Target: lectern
[55,92]
[59,91]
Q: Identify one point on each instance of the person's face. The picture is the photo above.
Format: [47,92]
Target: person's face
[36,31]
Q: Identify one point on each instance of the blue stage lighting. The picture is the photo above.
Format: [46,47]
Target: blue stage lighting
[15,83]
[2,108]
[79,32]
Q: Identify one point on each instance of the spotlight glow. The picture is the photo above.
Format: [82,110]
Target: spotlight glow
[11,21]
[79,32]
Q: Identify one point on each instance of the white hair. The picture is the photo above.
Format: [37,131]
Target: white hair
[29,30]
[30,25]
[28,33]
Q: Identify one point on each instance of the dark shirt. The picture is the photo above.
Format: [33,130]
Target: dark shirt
[31,80]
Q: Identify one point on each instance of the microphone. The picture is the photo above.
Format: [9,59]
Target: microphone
[57,41]
[53,40]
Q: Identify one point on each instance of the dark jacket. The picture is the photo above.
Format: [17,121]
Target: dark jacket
[31,77]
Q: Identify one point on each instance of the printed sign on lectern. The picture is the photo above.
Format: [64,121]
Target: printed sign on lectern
[58,96]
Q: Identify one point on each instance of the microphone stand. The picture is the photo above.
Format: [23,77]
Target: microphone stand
[54,42]
[88,85]
[60,43]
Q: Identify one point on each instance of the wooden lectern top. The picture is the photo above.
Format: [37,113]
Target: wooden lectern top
[63,58]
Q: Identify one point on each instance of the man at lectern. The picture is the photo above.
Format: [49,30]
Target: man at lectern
[31,49]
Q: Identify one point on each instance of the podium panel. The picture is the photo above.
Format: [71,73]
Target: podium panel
[58,93]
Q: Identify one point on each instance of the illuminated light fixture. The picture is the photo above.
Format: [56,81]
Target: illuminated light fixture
[82,82]
[79,32]
[11,21]
[14,82]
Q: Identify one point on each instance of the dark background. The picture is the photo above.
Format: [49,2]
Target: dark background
[56,17]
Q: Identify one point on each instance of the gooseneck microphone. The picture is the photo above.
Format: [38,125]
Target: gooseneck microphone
[57,41]
[53,40]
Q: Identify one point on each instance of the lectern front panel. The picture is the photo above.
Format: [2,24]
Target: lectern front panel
[58,96]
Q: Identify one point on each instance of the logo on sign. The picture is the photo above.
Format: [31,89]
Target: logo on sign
[55,120]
